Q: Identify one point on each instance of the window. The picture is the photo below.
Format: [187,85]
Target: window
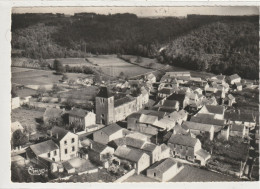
[49,154]
[73,148]
[186,148]
[65,142]
[65,151]
[154,174]
[72,140]
[55,153]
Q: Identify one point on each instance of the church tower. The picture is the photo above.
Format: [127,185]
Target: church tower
[104,107]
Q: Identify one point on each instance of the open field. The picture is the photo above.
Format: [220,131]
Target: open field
[81,94]
[27,117]
[26,76]
[113,66]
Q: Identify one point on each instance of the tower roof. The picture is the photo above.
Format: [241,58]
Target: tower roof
[104,92]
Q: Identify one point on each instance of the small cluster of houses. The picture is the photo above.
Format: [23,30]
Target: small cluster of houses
[185,107]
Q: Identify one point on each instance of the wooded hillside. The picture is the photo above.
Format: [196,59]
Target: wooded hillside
[213,43]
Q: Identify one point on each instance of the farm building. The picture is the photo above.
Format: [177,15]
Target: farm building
[164,170]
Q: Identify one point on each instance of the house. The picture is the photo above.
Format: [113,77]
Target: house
[154,151]
[15,102]
[151,77]
[178,117]
[238,130]
[165,151]
[16,126]
[234,79]
[166,105]
[82,118]
[178,74]
[108,133]
[164,170]
[189,148]
[165,92]
[97,152]
[238,86]
[145,96]
[247,119]
[209,101]
[219,79]
[200,128]
[138,159]
[47,149]
[52,116]
[217,111]
[230,99]
[218,124]
[180,97]
[67,141]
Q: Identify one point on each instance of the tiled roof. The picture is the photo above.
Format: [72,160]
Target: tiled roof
[149,147]
[208,120]
[129,154]
[98,147]
[203,154]
[244,117]
[166,91]
[163,165]
[123,100]
[148,119]
[58,131]
[111,129]
[184,140]
[104,92]
[198,126]
[177,96]
[170,103]
[44,147]
[133,142]
[215,109]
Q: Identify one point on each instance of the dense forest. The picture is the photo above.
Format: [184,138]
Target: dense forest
[219,44]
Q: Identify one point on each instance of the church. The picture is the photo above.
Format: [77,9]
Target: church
[111,108]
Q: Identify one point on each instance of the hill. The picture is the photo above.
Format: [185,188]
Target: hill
[211,43]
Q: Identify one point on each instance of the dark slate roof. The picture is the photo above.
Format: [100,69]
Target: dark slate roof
[123,100]
[208,120]
[166,91]
[244,117]
[44,147]
[177,96]
[215,109]
[159,114]
[170,103]
[163,165]
[104,92]
[133,142]
[184,140]
[78,112]
[111,129]
[135,115]
[58,131]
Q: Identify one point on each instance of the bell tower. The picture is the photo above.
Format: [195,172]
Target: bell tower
[104,106]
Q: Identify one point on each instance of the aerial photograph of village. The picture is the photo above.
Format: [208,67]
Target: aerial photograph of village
[134,94]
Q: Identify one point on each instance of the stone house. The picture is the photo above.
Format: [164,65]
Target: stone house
[164,170]
[82,118]
[108,133]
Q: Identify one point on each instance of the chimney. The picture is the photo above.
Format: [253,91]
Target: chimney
[57,135]
[51,133]
[90,145]
[238,111]
[74,130]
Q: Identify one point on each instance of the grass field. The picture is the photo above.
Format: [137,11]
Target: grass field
[81,94]
[26,117]
[71,61]
[113,66]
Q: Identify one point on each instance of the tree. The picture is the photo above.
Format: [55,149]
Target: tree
[64,77]
[97,78]
[122,75]
[58,67]
[19,138]
[41,90]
